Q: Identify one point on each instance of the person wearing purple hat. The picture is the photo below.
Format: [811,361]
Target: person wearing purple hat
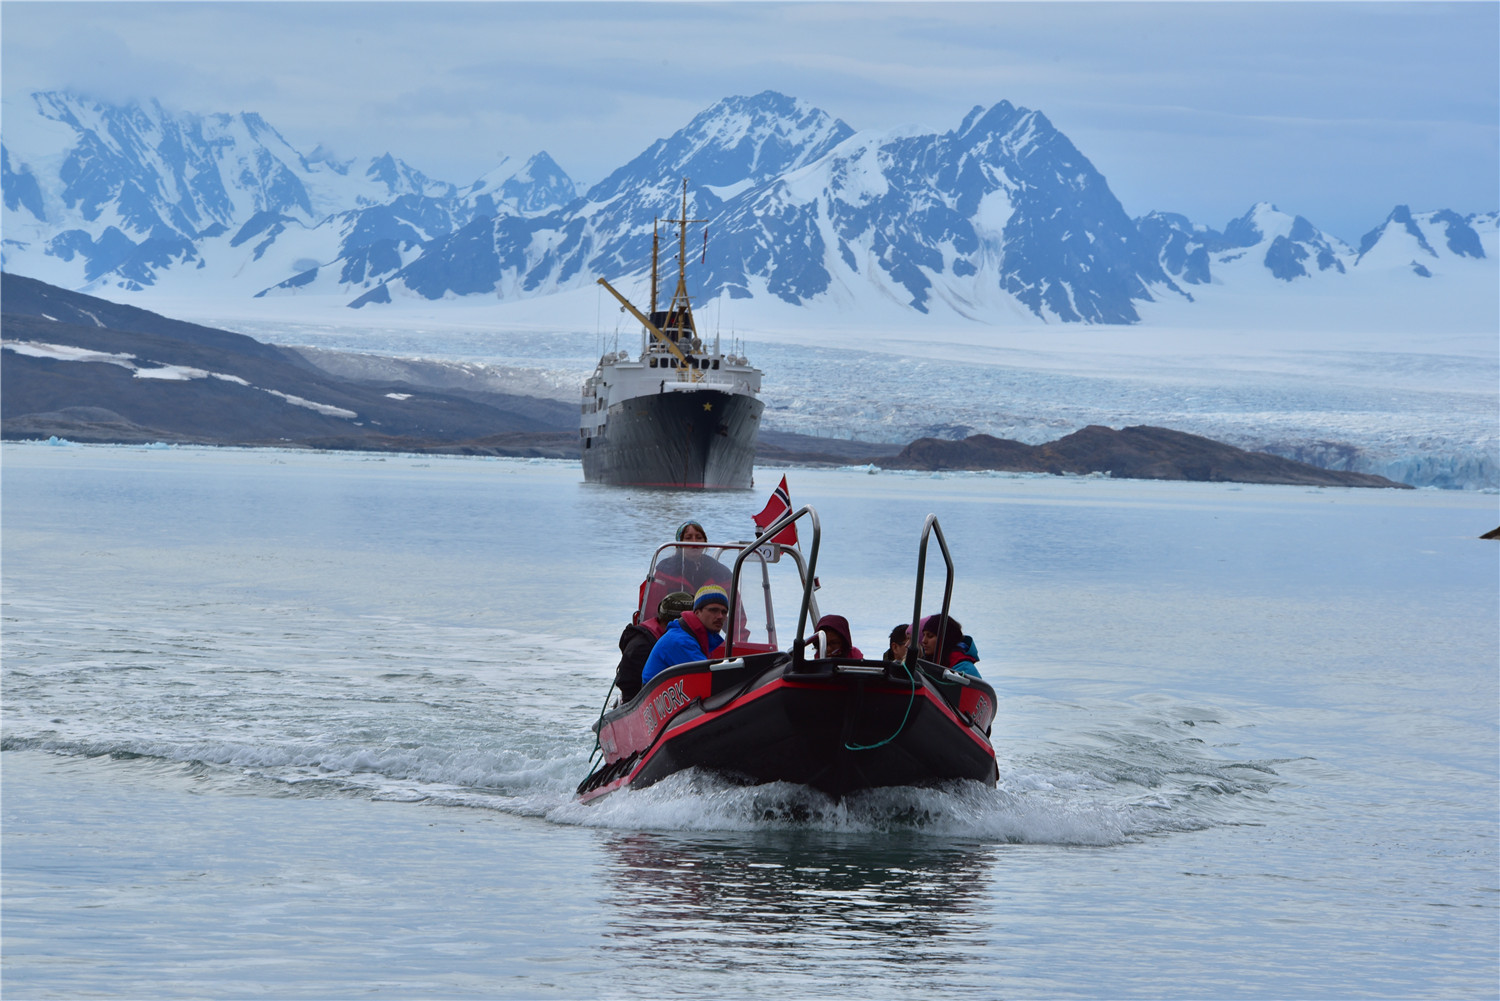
[695,635]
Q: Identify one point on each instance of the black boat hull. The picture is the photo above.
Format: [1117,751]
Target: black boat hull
[839,728]
[702,439]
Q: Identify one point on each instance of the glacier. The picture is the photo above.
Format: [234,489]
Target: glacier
[1362,401]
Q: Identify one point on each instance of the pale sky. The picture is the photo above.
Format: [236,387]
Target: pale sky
[1334,111]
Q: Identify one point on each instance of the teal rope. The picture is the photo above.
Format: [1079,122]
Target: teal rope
[598,751]
[912,698]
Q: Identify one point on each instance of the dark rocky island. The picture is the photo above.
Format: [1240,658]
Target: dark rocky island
[89,370]
[1138,453]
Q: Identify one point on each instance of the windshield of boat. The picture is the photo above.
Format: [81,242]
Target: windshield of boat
[770,588]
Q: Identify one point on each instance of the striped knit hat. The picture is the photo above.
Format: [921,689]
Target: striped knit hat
[710,594]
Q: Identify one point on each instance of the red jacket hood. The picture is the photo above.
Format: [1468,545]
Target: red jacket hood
[838,626]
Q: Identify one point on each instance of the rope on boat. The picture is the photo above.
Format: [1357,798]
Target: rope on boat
[598,751]
[912,698]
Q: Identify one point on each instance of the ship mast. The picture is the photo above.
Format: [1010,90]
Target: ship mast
[680,313]
[678,322]
[655,252]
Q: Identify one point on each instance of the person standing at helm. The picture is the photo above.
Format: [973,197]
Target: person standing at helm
[694,636]
[691,567]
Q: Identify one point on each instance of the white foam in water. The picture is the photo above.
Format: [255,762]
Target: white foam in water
[1037,802]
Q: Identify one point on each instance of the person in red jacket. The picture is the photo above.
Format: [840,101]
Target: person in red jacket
[689,568]
[840,643]
[638,639]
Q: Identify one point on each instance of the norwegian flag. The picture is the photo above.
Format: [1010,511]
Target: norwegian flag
[779,504]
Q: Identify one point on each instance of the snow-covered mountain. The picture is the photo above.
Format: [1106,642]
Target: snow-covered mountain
[99,196]
[1000,220]
[1290,247]
[1412,241]
[1001,212]
[737,145]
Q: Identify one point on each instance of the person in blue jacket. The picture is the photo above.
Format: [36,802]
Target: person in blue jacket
[693,636]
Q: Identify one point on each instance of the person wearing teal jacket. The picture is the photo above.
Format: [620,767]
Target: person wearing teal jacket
[959,652]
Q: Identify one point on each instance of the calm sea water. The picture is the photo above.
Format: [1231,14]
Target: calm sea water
[281,724]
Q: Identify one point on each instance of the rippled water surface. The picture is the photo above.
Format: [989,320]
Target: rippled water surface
[293,725]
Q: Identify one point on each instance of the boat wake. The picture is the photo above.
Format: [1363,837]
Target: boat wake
[1076,792]
[1045,798]
[450,721]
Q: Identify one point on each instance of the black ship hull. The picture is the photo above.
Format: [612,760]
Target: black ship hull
[701,439]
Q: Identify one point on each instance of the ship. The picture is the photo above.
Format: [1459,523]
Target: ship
[679,415]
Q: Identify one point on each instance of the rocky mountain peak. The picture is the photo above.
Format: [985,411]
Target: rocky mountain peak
[1000,214]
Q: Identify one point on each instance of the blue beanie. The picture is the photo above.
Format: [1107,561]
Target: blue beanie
[710,594]
[683,528]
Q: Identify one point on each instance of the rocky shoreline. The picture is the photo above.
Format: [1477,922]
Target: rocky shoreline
[1141,453]
[88,370]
